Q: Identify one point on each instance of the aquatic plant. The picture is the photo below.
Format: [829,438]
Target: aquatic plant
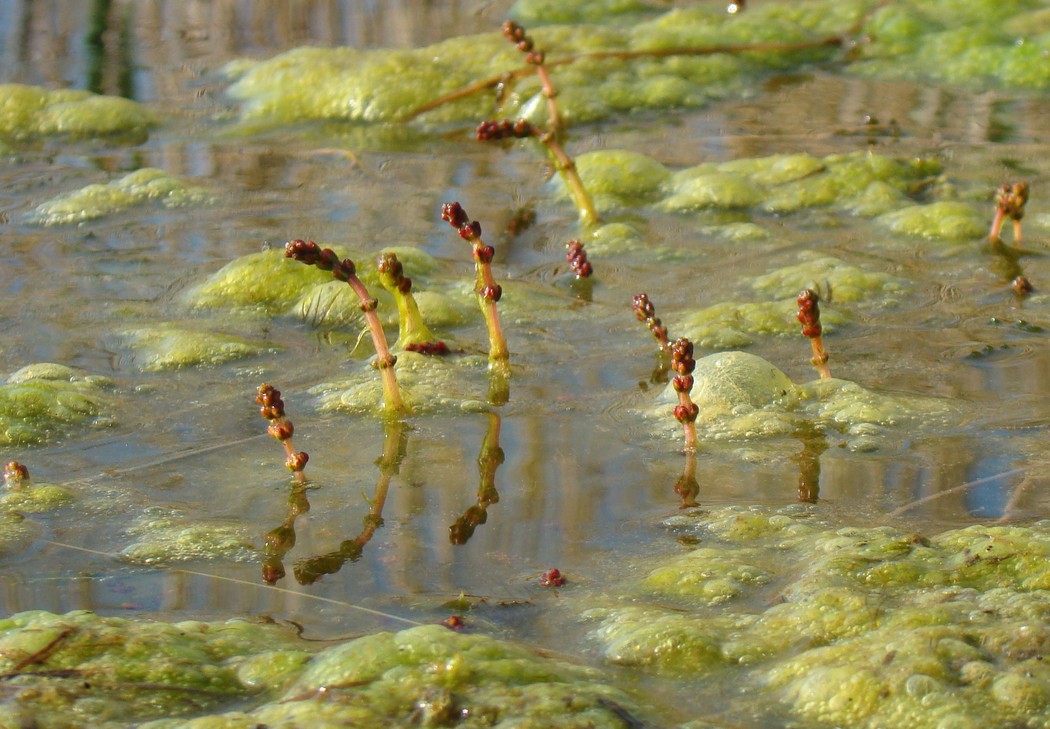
[646,312]
[326,259]
[576,257]
[552,578]
[16,476]
[686,411]
[413,333]
[1010,200]
[1021,286]
[271,407]
[809,316]
[486,289]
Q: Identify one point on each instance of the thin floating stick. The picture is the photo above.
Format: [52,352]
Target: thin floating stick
[271,407]
[686,411]
[326,259]
[1010,200]
[809,316]
[485,287]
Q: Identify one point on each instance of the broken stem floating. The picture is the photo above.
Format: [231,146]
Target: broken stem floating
[326,259]
[809,316]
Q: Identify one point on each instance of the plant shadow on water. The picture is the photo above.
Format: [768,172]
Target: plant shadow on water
[834,551]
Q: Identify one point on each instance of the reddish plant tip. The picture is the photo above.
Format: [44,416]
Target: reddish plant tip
[281,428]
[454,622]
[15,474]
[297,461]
[576,256]
[682,360]
[1010,199]
[454,213]
[809,313]
[643,308]
[552,578]
[686,412]
[306,251]
[431,348]
[490,131]
[484,254]
[269,398]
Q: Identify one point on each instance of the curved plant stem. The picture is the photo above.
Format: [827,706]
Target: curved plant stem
[311,254]
[809,316]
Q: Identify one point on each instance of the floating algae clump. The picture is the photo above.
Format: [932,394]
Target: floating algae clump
[942,220]
[80,669]
[620,177]
[731,324]
[868,626]
[169,347]
[431,676]
[31,111]
[139,187]
[847,283]
[165,537]
[36,498]
[43,401]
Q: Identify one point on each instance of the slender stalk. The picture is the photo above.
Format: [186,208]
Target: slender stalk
[311,254]
[271,407]
[646,312]
[686,411]
[486,289]
[809,316]
[515,33]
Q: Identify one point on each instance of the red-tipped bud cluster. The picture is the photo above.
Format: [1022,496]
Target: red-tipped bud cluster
[484,254]
[15,475]
[686,413]
[492,293]
[281,429]
[325,259]
[552,578]
[809,313]
[1010,199]
[683,364]
[297,461]
[645,311]
[577,259]
[491,131]
[516,35]
[431,348]
[682,360]
[457,217]
[389,265]
[270,402]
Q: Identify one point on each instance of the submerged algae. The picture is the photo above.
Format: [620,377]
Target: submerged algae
[43,401]
[31,111]
[169,347]
[139,187]
[169,537]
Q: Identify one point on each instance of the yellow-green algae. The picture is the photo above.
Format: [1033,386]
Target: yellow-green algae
[868,627]
[41,402]
[731,324]
[31,111]
[950,220]
[137,188]
[847,283]
[36,498]
[165,536]
[88,670]
[169,347]
[81,669]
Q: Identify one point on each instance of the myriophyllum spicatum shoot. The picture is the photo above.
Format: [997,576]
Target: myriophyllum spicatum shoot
[271,407]
[809,317]
[646,312]
[16,476]
[686,411]
[1010,200]
[326,259]
[488,292]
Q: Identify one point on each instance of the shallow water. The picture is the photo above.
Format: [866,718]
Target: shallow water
[586,478]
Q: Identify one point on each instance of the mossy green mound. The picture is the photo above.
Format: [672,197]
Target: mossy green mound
[36,498]
[170,347]
[41,402]
[137,188]
[945,220]
[83,669]
[868,627]
[31,111]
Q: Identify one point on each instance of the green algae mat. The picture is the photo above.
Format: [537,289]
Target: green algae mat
[527,541]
